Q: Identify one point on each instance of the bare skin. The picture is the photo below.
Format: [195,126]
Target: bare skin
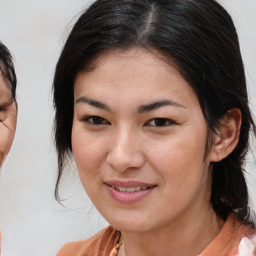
[167,244]
[139,125]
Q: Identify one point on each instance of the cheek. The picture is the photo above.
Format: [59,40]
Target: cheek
[87,151]
[184,174]
[180,159]
[7,129]
[6,139]
[88,154]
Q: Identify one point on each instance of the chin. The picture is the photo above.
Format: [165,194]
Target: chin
[130,224]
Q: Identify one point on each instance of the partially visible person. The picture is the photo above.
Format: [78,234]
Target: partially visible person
[8,105]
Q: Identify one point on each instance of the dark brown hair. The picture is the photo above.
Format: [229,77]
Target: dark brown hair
[200,38]
[7,69]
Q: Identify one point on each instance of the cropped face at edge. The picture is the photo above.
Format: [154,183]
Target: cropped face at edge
[8,117]
[139,140]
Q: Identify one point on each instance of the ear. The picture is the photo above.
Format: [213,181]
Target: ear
[228,135]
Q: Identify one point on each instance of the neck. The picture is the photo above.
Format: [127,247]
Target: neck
[187,237]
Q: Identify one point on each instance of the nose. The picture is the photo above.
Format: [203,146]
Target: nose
[125,151]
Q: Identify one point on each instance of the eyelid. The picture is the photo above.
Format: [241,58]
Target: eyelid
[101,120]
[168,120]
[5,105]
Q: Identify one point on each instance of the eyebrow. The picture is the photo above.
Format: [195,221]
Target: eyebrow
[93,103]
[141,109]
[158,104]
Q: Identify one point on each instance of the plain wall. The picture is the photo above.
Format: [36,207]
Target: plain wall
[32,222]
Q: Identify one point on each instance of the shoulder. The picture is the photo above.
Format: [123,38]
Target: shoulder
[227,241]
[100,244]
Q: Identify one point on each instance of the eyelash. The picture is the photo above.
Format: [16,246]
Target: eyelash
[158,122]
[95,120]
[2,108]
[5,106]
[164,122]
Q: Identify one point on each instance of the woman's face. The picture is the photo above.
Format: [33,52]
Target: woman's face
[139,140]
[8,116]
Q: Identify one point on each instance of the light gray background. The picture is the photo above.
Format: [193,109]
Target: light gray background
[32,223]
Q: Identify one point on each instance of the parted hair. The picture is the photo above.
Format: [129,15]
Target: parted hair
[201,39]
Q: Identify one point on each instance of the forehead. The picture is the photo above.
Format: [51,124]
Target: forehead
[133,63]
[133,74]
[144,56]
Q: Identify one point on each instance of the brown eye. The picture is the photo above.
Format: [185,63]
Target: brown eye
[95,120]
[160,122]
[2,108]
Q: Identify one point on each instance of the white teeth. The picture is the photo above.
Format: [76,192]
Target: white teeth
[129,190]
[121,189]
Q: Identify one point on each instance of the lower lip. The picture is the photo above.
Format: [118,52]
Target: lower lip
[126,197]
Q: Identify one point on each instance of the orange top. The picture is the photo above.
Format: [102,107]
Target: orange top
[99,245]
[104,243]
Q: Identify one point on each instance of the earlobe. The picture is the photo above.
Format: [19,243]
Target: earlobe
[228,135]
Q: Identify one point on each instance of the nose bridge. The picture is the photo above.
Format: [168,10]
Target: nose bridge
[125,151]
[124,138]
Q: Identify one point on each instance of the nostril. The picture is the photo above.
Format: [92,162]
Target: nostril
[121,161]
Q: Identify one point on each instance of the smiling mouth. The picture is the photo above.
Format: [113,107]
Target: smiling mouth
[129,190]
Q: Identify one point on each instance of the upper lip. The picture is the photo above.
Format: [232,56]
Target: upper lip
[128,184]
